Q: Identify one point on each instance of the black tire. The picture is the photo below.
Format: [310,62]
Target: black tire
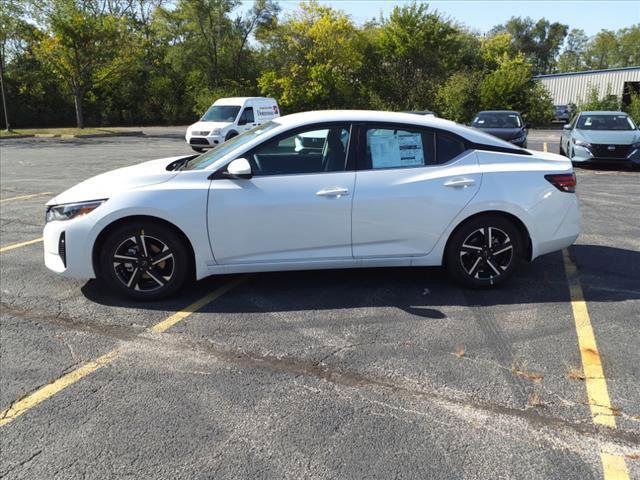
[197,149]
[230,135]
[472,263]
[156,273]
[561,150]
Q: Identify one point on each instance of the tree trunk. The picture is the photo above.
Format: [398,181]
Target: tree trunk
[78,97]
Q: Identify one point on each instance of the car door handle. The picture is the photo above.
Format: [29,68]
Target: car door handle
[460,182]
[332,192]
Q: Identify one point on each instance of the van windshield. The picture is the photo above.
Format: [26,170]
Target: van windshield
[221,113]
[206,159]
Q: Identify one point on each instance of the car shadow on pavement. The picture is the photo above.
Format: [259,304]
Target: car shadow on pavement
[607,274]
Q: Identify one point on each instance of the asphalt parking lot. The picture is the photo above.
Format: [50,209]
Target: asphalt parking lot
[380,373]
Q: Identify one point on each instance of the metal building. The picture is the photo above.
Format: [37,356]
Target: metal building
[573,87]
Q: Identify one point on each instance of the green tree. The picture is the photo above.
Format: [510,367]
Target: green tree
[539,41]
[315,62]
[602,51]
[458,98]
[572,58]
[629,46]
[415,50]
[633,108]
[511,87]
[84,47]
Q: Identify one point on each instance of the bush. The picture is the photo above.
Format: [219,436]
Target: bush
[594,101]
[633,109]
[458,98]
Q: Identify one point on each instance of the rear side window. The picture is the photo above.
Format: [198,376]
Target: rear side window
[448,148]
[397,148]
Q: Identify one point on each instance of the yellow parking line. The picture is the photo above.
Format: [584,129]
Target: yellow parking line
[21,244]
[54,387]
[545,147]
[49,390]
[25,197]
[614,466]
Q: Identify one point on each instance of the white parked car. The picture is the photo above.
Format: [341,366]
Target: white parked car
[601,137]
[386,189]
[228,118]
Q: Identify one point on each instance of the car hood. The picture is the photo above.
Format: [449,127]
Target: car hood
[121,179]
[612,137]
[207,126]
[503,133]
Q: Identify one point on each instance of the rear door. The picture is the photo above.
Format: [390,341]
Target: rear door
[410,185]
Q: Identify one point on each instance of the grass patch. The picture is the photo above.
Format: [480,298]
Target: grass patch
[59,131]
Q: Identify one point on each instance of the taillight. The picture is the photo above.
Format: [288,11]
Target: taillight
[565,182]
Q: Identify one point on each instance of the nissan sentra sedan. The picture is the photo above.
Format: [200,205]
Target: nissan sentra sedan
[382,190]
[601,137]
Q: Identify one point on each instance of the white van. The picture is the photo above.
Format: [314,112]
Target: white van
[228,117]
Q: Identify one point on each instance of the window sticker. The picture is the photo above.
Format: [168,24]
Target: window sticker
[393,150]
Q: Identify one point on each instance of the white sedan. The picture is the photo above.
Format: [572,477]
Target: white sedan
[385,189]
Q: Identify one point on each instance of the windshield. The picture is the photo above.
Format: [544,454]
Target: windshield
[221,113]
[497,120]
[605,122]
[209,158]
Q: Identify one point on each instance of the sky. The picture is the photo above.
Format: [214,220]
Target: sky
[482,15]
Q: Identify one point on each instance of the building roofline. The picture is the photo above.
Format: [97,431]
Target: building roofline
[585,72]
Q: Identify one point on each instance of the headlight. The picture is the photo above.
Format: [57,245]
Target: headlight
[67,211]
[581,143]
[215,131]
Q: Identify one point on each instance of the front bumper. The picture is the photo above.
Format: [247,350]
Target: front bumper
[204,142]
[519,142]
[586,155]
[70,258]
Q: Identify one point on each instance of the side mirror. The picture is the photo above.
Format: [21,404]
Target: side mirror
[566,126]
[239,168]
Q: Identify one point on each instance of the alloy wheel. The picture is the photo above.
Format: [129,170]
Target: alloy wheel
[143,263]
[486,253]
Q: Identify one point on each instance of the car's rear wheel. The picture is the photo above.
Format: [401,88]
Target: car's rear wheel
[144,260]
[484,251]
[561,150]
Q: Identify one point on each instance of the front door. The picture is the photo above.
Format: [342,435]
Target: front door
[296,207]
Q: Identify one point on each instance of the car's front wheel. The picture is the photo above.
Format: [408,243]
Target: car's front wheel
[144,260]
[197,149]
[484,251]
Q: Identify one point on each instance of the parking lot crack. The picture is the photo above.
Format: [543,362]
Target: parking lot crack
[21,463]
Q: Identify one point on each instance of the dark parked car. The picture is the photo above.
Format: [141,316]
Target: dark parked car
[421,112]
[562,113]
[503,124]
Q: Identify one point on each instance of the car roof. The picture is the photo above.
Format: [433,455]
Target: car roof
[603,112]
[498,111]
[239,100]
[367,116]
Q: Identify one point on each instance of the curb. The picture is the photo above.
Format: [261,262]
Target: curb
[136,133]
[16,137]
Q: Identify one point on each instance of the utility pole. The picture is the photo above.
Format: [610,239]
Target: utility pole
[4,100]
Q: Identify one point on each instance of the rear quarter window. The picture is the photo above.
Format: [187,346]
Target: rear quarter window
[448,148]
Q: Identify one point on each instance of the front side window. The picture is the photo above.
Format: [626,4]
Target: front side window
[397,148]
[303,152]
[247,116]
[221,113]
[605,122]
